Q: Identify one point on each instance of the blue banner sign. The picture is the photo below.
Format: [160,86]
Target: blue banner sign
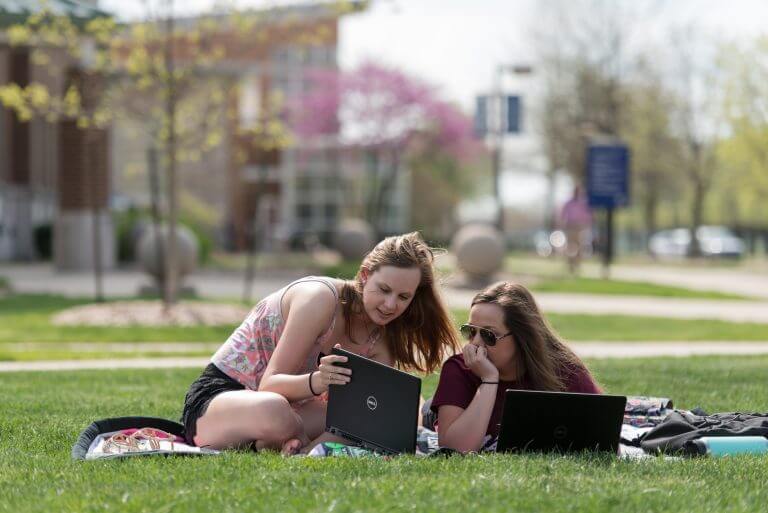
[608,175]
[513,115]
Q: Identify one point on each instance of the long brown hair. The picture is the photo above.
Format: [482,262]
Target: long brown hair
[542,356]
[423,335]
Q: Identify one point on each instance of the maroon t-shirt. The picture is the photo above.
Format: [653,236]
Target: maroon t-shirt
[458,385]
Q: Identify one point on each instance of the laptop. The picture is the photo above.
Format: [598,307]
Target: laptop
[377,409]
[560,422]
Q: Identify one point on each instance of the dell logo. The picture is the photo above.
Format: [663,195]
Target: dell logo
[371,403]
[560,432]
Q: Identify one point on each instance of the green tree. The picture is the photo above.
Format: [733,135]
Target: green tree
[744,151]
[166,74]
[648,130]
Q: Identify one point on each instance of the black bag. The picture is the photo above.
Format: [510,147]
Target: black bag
[671,435]
[91,442]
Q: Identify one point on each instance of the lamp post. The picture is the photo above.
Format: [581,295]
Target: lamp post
[505,119]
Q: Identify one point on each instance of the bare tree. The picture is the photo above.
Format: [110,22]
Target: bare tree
[695,114]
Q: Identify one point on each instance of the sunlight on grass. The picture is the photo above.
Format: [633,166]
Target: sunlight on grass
[44,412]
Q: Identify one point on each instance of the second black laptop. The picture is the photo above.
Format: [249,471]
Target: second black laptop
[377,409]
[560,422]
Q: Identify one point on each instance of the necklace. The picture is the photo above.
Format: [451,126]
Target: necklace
[373,336]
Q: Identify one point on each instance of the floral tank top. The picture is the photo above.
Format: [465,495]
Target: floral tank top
[245,354]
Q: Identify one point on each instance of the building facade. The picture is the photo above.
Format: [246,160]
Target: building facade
[279,197]
[49,187]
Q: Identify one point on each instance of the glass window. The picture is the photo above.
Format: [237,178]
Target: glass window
[304,211]
[249,106]
[331,211]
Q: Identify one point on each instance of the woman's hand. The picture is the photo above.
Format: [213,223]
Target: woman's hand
[331,374]
[476,358]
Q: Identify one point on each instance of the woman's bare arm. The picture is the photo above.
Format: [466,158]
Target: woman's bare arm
[311,309]
[464,429]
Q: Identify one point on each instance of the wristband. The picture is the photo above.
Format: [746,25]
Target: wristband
[310,384]
[489,382]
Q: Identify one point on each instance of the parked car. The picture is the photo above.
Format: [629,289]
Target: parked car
[714,242]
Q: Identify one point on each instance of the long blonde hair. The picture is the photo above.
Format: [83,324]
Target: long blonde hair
[542,356]
[424,334]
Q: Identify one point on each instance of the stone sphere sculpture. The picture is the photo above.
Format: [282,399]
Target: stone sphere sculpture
[354,238]
[479,250]
[186,250]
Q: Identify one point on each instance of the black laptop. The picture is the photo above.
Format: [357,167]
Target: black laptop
[377,409]
[560,422]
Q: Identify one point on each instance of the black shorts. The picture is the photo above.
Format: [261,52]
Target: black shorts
[211,383]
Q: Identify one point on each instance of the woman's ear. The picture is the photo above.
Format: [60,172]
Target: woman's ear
[363,275]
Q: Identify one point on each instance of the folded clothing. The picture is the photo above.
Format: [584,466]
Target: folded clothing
[672,435]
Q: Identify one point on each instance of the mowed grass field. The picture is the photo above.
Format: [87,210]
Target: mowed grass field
[41,415]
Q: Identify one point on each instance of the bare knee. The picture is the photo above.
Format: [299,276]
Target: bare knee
[277,420]
[237,418]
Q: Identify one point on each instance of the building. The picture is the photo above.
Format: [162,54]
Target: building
[287,196]
[47,184]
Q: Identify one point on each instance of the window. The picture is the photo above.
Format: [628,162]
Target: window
[249,106]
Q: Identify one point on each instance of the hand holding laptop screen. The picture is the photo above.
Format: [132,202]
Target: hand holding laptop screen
[378,409]
[328,373]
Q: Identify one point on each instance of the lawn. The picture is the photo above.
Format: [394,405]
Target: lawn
[624,288]
[26,332]
[44,412]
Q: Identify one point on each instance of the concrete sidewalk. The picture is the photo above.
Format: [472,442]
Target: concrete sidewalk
[41,278]
[583,349]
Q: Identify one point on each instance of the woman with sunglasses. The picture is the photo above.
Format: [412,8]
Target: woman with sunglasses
[510,345]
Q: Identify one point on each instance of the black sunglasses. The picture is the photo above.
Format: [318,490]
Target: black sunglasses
[468,331]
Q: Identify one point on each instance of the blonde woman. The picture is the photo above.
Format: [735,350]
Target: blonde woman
[263,387]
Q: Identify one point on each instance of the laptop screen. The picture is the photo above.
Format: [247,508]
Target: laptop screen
[377,409]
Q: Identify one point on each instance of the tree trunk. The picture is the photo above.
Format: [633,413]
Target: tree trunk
[697,214]
[387,178]
[98,270]
[171,285]
[650,205]
[154,200]
[371,208]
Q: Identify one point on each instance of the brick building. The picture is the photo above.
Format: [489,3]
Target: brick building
[46,179]
[288,194]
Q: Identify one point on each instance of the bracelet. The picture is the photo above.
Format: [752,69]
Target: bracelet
[310,384]
[489,382]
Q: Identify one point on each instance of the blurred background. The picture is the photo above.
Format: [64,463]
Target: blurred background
[250,136]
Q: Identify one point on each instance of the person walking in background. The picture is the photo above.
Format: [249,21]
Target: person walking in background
[576,222]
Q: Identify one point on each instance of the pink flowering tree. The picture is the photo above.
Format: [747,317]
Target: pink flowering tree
[390,117]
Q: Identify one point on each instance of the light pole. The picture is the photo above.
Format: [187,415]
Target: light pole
[505,119]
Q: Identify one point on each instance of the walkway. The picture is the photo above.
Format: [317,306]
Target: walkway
[41,278]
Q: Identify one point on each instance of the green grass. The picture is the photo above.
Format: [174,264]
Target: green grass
[550,275]
[27,318]
[44,412]
[14,355]
[630,328]
[626,288]
[345,270]
[25,321]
